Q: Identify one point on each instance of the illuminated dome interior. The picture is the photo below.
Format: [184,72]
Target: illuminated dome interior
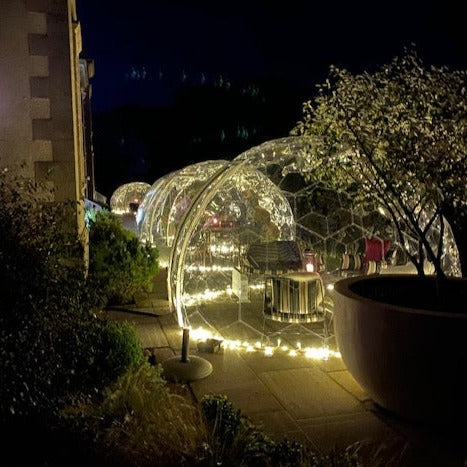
[166,202]
[208,218]
[127,198]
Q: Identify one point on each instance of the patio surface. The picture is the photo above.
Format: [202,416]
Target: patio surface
[315,402]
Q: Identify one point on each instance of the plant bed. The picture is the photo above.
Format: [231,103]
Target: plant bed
[405,344]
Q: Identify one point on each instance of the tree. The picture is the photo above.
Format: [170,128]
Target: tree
[397,136]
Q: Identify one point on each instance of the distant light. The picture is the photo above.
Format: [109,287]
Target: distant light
[330,287]
[310,267]
[215,220]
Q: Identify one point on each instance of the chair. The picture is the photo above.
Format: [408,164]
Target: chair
[351,265]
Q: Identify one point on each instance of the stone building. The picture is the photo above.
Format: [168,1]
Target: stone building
[45,99]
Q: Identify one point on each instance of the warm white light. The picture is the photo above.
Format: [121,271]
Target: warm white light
[315,353]
[330,287]
[214,268]
[309,267]
[320,353]
[256,286]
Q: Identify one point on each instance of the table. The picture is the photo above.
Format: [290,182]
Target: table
[294,298]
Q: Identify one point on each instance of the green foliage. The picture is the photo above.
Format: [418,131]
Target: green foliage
[333,261]
[235,441]
[122,345]
[119,265]
[52,346]
[397,136]
[140,422]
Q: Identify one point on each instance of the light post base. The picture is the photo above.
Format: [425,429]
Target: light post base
[193,369]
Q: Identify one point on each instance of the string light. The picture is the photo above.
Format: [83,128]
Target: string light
[314,353]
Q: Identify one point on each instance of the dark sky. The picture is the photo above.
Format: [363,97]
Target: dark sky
[181,81]
[167,45]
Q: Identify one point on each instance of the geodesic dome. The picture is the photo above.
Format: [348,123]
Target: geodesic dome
[167,200]
[209,218]
[127,198]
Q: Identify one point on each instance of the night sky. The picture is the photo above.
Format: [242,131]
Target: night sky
[220,77]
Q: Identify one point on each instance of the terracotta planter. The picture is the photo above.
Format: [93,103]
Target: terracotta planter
[410,360]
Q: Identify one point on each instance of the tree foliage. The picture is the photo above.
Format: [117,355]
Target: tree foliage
[119,264]
[398,136]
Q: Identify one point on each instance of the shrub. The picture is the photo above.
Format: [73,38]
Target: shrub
[123,345]
[119,264]
[140,422]
[234,440]
[52,346]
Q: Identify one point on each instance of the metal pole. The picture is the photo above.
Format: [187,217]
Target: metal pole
[185,342]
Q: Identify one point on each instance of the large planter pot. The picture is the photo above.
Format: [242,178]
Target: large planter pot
[410,356]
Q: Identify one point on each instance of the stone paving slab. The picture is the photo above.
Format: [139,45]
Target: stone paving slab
[309,392]
[347,381]
[126,314]
[341,430]
[249,396]
[279,361]
[331,364]
[230,370]
[151,334]
[163,353]
[276,423]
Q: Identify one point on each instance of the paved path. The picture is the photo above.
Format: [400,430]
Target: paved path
[313,402]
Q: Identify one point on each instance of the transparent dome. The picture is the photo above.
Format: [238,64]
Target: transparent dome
[211,218]
[246,209]
[127,198]
[167,200]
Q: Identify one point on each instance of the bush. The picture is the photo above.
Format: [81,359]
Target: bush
[140,422]
[119,264]
[234,441]
[52,346]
